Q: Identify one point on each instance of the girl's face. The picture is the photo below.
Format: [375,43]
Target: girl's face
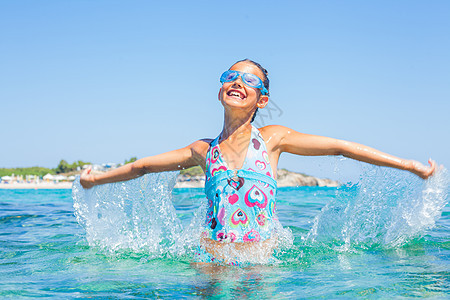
[237,94]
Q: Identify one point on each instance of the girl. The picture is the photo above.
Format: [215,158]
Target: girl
[240,167]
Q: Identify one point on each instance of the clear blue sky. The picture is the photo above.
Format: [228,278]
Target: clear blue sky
[102,81]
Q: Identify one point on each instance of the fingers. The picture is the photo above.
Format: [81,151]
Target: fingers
[86,178]
[432,166]
[86,172]
[431,169]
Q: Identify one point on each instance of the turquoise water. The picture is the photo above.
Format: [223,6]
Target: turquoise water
[386,236]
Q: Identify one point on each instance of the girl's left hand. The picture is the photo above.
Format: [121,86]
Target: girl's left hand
[422,170]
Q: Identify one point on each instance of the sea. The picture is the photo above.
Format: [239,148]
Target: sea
[384,236]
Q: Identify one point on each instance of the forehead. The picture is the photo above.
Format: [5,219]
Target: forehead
[247,67]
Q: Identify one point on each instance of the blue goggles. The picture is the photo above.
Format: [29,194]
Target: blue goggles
[250,80]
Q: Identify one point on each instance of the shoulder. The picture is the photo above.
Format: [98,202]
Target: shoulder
[274,135]
[201,146]
[270,129]
[274,131]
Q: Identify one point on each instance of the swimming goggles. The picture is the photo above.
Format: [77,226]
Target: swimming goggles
[248,79]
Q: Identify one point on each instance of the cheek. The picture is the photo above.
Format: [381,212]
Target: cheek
[221,91]
[252,93]
[221,94]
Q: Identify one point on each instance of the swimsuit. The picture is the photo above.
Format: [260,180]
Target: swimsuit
[241,203]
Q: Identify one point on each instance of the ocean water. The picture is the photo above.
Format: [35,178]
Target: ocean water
[386,236]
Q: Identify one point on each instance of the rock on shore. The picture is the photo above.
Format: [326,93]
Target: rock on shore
[284,178]
[287,178]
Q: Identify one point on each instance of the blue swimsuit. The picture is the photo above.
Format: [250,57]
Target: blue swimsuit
[241,203]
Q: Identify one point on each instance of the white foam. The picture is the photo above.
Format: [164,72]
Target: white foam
[385,208]
[137,215]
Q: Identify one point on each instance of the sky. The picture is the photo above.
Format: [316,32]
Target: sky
[103,81]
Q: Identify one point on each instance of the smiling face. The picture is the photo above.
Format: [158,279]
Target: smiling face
[238,95]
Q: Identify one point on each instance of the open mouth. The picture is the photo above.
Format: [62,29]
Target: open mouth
[236,94]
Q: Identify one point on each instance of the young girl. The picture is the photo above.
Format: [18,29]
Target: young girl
[241,165]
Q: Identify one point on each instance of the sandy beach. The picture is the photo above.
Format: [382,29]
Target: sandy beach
[41,185]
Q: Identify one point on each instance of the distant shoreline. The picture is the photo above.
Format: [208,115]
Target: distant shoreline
[36,186]
[284,178]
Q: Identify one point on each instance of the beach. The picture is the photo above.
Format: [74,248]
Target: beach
[41,185]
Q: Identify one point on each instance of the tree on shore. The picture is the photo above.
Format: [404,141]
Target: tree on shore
[65,167]
[133,159]
[39,171]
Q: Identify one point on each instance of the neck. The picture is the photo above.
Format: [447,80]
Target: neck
[235,126]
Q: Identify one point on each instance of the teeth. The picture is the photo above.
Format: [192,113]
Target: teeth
[235,94]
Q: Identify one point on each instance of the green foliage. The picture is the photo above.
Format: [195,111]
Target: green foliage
[194,171]
[65,167]
[40,171]
[133,159]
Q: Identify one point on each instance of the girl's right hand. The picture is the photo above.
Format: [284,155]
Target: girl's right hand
[87,179]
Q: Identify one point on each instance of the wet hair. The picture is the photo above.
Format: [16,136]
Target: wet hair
[265,79]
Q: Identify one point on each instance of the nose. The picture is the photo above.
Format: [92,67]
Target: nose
[238,82]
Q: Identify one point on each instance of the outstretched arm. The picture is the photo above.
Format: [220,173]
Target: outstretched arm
[170,161]
[305,144]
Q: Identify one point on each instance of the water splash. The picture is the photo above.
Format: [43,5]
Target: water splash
[386,208]
[139,216]
[136,215]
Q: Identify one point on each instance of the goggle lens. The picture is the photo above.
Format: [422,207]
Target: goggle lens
[251,80]
[229,76]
